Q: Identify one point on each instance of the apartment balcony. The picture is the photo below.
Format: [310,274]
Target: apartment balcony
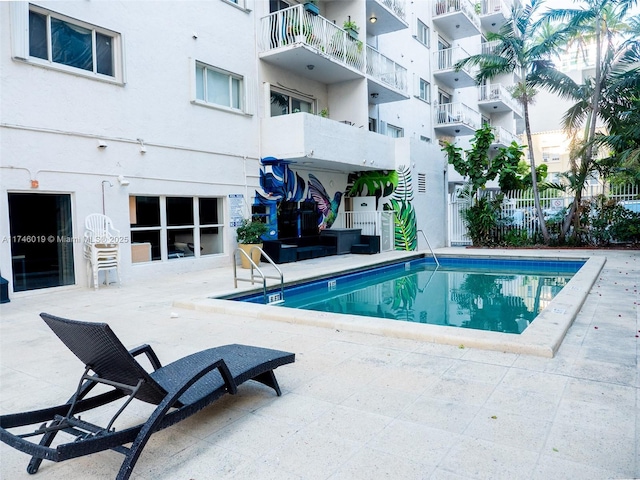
[497,99]
[312,141]
[456,119]
[495,13]
[313,47]
[389,15]
[387,81]
[445,73]
[503,137]
[456,19]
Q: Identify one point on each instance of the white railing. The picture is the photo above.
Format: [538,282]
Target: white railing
[489,48]
[378,223]
[448,113]
[446,60]
[498,91]
[457,230]
[397,7]
[495,6]
[444,7]
[295,25]
[386,70]
[504,137]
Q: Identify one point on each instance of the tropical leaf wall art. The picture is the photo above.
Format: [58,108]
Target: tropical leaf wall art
[377,183]
[397,187]
[401,202]
[278,183]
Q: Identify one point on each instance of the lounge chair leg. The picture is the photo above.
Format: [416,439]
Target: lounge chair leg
[268,379]
[35,462]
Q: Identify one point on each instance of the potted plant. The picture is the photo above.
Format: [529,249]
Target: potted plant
[312,7]
[351,27]
[248,235]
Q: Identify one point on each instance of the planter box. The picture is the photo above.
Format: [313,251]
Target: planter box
[312,8]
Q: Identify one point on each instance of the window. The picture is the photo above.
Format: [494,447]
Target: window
[395,132]
[423,33]
[425,90]
[550,154]
[175,227]
[58,41]
[284,104]
[217,87]
[425,139]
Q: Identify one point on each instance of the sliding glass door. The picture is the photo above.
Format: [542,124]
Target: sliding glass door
[41,240]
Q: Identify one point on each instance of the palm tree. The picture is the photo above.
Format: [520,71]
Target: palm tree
[520,50]
[600,22]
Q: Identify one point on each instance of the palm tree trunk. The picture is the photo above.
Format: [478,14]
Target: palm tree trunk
[534,179]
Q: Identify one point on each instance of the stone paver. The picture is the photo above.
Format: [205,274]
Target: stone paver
[354,405]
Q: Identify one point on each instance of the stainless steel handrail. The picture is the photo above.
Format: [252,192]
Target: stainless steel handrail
[429,245]
[255,267]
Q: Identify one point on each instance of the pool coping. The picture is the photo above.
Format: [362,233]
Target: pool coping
[541,338]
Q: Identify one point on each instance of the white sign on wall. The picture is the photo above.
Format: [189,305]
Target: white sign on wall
[236,207]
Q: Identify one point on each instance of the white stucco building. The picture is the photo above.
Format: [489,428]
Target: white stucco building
[161,116]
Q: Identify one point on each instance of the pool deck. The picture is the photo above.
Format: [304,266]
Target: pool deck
[355,405]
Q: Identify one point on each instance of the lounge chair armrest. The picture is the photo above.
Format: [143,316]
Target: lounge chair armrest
[148,351]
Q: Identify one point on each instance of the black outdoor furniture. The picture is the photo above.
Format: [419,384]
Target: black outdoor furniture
[368,244]
[286,250]
[179,390]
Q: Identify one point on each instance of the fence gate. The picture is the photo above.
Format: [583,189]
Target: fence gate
[457,230]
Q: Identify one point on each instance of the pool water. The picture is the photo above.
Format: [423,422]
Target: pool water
[482,294]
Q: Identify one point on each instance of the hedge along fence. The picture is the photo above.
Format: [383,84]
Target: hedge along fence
[517,222]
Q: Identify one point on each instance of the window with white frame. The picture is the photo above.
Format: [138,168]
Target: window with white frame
[423,33]
[61,42]
[284,103]
[395,132]
[425,90]
[175,227]
[218,87]
[550,154]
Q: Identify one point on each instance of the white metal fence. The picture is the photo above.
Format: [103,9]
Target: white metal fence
[518,208]
[371,223]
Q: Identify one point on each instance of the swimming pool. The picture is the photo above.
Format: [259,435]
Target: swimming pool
[503,295]
[541,338]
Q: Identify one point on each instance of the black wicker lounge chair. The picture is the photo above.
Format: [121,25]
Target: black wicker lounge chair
[179,390]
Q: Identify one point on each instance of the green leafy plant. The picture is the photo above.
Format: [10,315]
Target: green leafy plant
[350,25]
[250,231]
[481,219]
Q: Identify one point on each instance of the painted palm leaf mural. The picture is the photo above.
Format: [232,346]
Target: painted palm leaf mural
[401,202]
[397,188]
[377,184]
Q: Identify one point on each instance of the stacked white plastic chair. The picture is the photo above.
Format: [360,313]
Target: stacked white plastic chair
[101,248]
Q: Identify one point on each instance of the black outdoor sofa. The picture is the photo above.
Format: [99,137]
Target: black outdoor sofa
[286,250]
[179,390]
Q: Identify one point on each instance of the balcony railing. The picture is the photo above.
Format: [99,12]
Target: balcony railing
[296,26]
[386,70]
[450,113]
[504,137]
[396,6]
[490,7]
[444,7]
[491,48]
[500,93]
[446,59]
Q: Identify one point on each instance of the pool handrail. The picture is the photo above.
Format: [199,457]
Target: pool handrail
[254,266]
[431,249]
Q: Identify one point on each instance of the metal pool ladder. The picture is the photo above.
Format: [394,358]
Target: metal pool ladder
[429,245]
[279,298]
